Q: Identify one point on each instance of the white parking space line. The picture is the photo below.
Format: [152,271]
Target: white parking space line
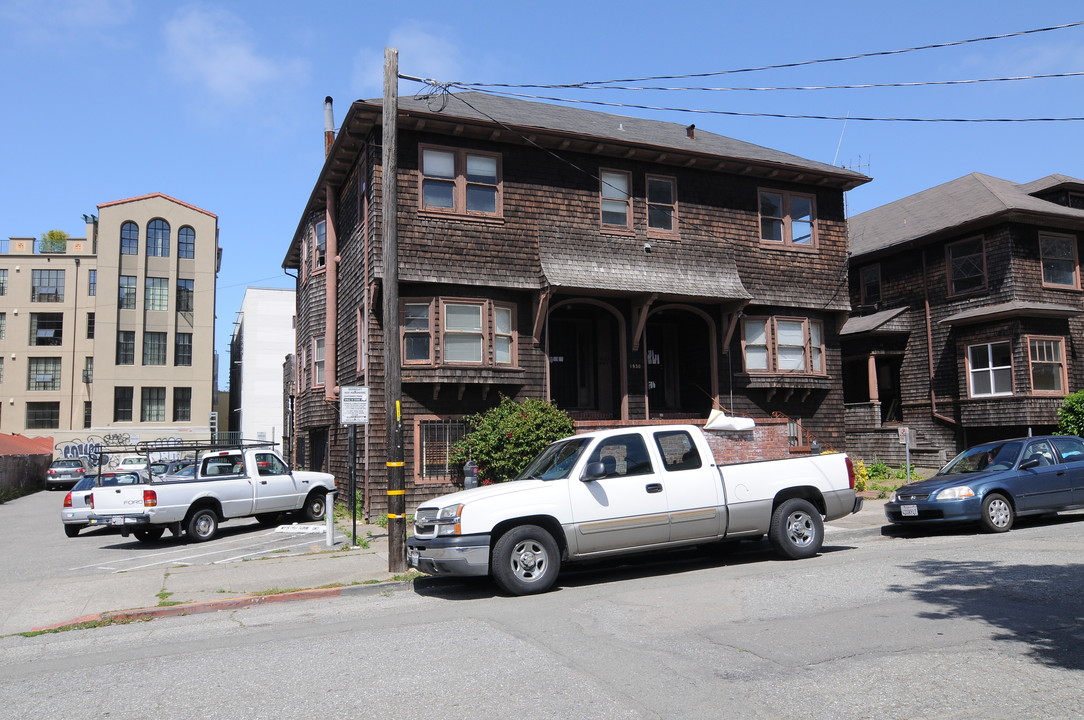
[242,557]
[262,548]
[219,544]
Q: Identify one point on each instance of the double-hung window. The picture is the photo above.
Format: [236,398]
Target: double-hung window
[92,282]
[464,182]
[4,281]
[615,195]
[966,266]
[1046,356]
[319,246]
[318,362]
[1059,260]
[869,281]
[989,369]
[469,332]
[787,219]
[152,406]
[783,345]
[661,204]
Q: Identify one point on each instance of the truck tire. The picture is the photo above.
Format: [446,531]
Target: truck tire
[314,506]
[72,530]
[797,530]
[525,561]
[149,535]
[202,525]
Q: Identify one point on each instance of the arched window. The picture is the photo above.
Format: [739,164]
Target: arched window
[186,242]
[129,238]
[158,238]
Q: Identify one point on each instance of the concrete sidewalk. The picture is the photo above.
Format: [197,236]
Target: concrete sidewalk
[316,572]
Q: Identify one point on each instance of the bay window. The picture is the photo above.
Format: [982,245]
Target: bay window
[783,345]
[468,332]
[1046,356]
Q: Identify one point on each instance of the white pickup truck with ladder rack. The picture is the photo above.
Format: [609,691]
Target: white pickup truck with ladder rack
[231,481]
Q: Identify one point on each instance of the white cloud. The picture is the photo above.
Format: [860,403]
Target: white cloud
[212,48]
[422,53]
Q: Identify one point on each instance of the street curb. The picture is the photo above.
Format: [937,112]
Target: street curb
[237,603]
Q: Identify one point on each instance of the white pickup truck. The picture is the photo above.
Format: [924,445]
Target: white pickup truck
[227,484]
[623,491]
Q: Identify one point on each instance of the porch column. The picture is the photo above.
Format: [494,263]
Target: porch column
[872,377]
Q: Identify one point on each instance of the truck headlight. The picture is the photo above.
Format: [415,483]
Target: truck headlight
[447,520]
[959,492]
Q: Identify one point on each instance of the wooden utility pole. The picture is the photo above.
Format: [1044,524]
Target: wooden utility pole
[393,370]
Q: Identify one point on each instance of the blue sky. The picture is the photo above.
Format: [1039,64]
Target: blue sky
[221,104]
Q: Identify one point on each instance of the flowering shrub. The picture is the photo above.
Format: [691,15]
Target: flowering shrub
[504,439]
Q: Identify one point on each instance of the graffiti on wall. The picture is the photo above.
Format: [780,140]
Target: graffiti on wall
[91,448]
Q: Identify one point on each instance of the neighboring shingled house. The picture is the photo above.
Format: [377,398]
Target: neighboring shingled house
[626,269]
[967,322]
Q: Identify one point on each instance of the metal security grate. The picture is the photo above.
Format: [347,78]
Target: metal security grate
[438,437]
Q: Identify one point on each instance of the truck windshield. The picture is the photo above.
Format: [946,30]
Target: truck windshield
[556,461]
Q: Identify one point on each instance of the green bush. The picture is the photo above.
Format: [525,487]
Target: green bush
[504,439]
[1071,414]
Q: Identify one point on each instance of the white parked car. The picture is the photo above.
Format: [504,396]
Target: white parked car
[132,462]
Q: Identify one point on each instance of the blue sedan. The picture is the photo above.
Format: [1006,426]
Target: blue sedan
[995,482]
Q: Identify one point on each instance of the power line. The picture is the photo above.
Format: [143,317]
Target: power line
[781,66]
[923,83]
[446,87]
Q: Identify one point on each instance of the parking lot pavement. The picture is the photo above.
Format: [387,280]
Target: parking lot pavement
[50,578]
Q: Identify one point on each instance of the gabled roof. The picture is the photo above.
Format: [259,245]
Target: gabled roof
[527,114]
[157,195]
[958,206]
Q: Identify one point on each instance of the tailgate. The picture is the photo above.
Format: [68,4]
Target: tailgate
[119,499]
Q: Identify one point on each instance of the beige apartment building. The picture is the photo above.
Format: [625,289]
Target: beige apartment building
[111,338]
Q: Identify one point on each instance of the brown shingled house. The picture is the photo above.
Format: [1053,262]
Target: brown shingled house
[626,269]
[967,317]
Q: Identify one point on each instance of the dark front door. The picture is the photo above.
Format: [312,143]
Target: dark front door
[583,357]
[678,365]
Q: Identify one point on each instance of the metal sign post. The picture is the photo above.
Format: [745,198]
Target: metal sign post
[354,411]
[905,440]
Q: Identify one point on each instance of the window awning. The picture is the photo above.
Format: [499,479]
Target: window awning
[1017,308]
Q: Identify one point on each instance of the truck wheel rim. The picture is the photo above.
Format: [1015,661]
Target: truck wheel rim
[529,560]
[800,529]
[203,525]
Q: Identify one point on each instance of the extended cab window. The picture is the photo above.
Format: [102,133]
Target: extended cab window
[677,450]
[623,455]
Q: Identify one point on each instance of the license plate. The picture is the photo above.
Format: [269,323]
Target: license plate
[909,510]
[116,521]
[412,558]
